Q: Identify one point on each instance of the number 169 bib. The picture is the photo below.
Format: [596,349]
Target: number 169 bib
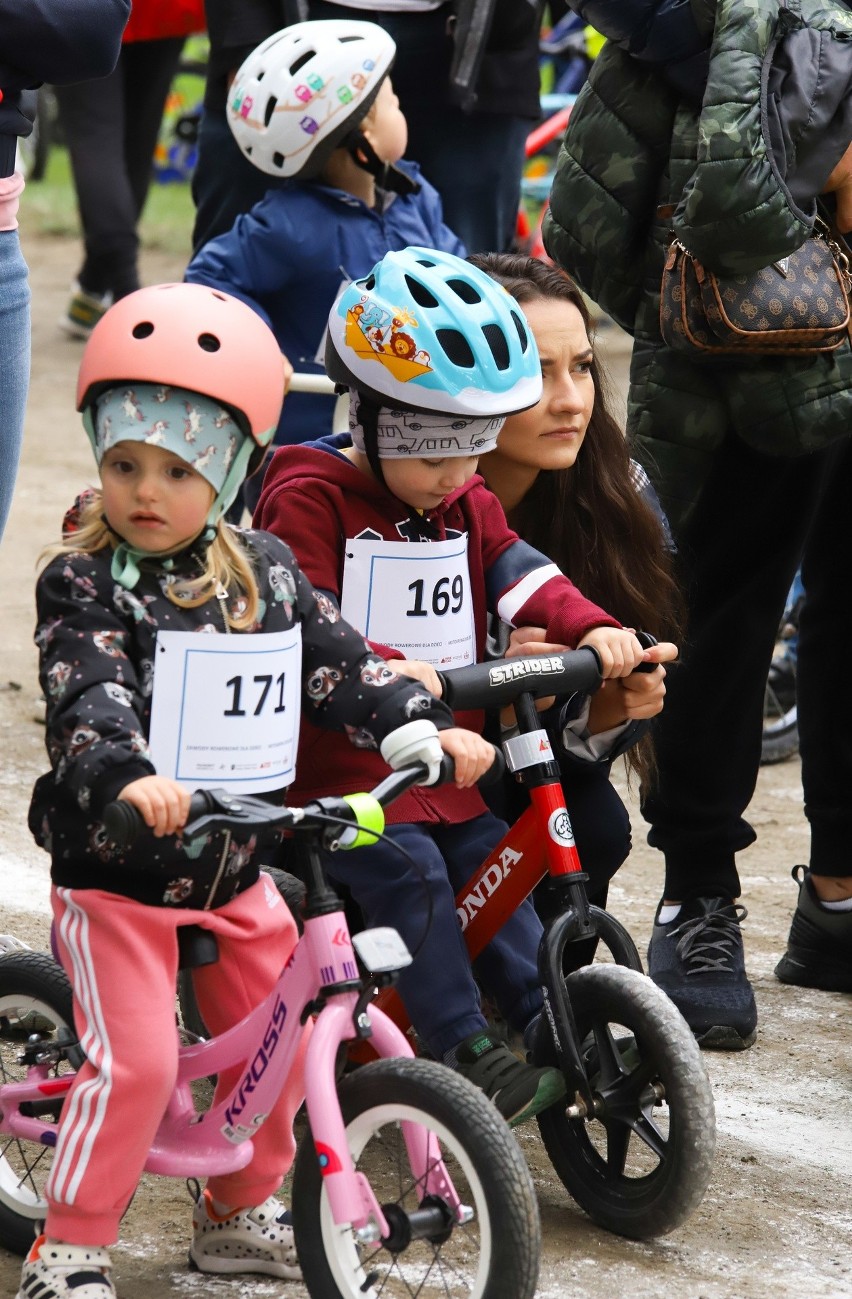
[412,595]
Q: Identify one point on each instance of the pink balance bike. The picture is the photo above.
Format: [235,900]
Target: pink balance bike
[407,1182]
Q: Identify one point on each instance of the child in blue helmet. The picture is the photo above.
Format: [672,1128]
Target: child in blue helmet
[392,523]
[313,105]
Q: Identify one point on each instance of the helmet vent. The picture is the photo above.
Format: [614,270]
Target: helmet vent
[208,343]
[271,105]
[420,293]
[496,340]
[301,61]
[456,348]
[278,159]
[467,292]
[522,333]
[143,330]
[347,40]
[370,283]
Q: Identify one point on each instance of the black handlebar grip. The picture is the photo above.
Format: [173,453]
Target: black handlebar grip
[122,822]
[500,681]
[646,640]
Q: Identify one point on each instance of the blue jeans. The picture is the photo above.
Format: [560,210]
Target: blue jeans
[14,362]
[438,988]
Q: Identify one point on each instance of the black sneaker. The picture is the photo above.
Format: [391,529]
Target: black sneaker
[518,1090]
[819,948]
[698,960]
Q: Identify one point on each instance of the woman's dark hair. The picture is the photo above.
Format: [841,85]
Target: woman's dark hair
[591,519]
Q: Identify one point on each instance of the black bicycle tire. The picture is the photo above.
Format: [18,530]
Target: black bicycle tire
[456,1107]
[780,740]
[33,981]
[654,1204]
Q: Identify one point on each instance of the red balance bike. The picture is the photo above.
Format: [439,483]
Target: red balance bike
[634,1143]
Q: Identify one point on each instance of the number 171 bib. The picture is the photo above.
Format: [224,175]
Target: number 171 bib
[412,595]
[225,709]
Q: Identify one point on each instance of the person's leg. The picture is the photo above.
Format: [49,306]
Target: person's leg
[819,947]
[121,958]
[508,966]
[15,370]
[149,70]
[739,553]
[92,116]
[239,1225]
[413,895]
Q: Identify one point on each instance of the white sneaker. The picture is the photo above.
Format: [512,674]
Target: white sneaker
[56,1271]
[249,1240]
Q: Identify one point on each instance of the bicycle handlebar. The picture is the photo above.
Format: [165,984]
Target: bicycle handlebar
[501,681]
[211,809]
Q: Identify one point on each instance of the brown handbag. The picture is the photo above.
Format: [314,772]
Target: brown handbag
[795,306]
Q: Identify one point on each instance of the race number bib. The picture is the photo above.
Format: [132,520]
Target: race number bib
[225,709]
[413,595]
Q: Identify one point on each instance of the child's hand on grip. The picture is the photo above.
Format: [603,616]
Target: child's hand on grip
[617,648]
[163,803]
[471,754]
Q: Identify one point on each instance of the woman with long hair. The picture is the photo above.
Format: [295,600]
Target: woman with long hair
[563,474]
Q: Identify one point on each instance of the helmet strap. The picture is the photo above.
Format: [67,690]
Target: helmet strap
[368,418]
[388,176]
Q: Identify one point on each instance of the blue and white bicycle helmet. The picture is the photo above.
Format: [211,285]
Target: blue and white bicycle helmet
[426,331]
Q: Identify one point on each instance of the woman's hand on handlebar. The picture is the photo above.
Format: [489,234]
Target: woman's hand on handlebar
[162,803]
[418,671]
[633,698]
[471,754]
[618,649]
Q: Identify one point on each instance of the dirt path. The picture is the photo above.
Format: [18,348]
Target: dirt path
[776,1220]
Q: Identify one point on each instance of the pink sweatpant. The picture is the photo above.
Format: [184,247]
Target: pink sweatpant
[121,958]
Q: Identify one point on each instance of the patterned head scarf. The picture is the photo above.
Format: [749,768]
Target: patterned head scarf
[403,434]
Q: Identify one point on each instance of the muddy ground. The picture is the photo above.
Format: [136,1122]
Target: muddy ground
[776,1219]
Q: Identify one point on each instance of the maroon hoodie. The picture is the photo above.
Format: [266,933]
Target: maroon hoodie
[315,499]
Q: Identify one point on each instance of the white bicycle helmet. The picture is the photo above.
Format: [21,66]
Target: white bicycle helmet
[304,90]
[426,331]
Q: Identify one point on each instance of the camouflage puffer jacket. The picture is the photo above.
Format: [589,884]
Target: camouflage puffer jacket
[735,180]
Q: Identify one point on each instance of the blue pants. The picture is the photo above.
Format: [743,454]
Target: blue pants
[438,988]
[14,362]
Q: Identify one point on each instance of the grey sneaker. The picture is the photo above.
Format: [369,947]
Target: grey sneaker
[698,960]
[518,1090]
[819,948]
[250,1240]
[83,312]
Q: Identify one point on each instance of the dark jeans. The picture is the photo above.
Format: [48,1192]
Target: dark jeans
[438,989]
[739,553]
[224,182]
[111,126]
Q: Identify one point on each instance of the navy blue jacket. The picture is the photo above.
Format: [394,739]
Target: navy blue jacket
[59,41]
[288,257]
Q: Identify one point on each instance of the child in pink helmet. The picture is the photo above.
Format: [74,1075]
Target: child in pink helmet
[180,388]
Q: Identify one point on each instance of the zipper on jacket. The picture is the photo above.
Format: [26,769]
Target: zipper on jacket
[214,886]
[222,597]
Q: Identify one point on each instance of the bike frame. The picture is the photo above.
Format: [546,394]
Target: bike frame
[321,976]
[539,845]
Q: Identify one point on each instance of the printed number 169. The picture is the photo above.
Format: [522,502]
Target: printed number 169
[446,597]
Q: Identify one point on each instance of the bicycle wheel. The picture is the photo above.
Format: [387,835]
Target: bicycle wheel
[494,1255]
[35,997]
[641,1163]
[780,731]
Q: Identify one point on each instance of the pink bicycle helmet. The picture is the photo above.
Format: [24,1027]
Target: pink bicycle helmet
[188,336]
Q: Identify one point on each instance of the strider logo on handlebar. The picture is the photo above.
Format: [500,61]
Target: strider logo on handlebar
[517,668]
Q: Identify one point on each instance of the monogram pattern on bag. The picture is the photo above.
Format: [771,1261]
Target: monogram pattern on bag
[798,305]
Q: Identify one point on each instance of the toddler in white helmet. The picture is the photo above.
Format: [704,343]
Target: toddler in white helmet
[314,104]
